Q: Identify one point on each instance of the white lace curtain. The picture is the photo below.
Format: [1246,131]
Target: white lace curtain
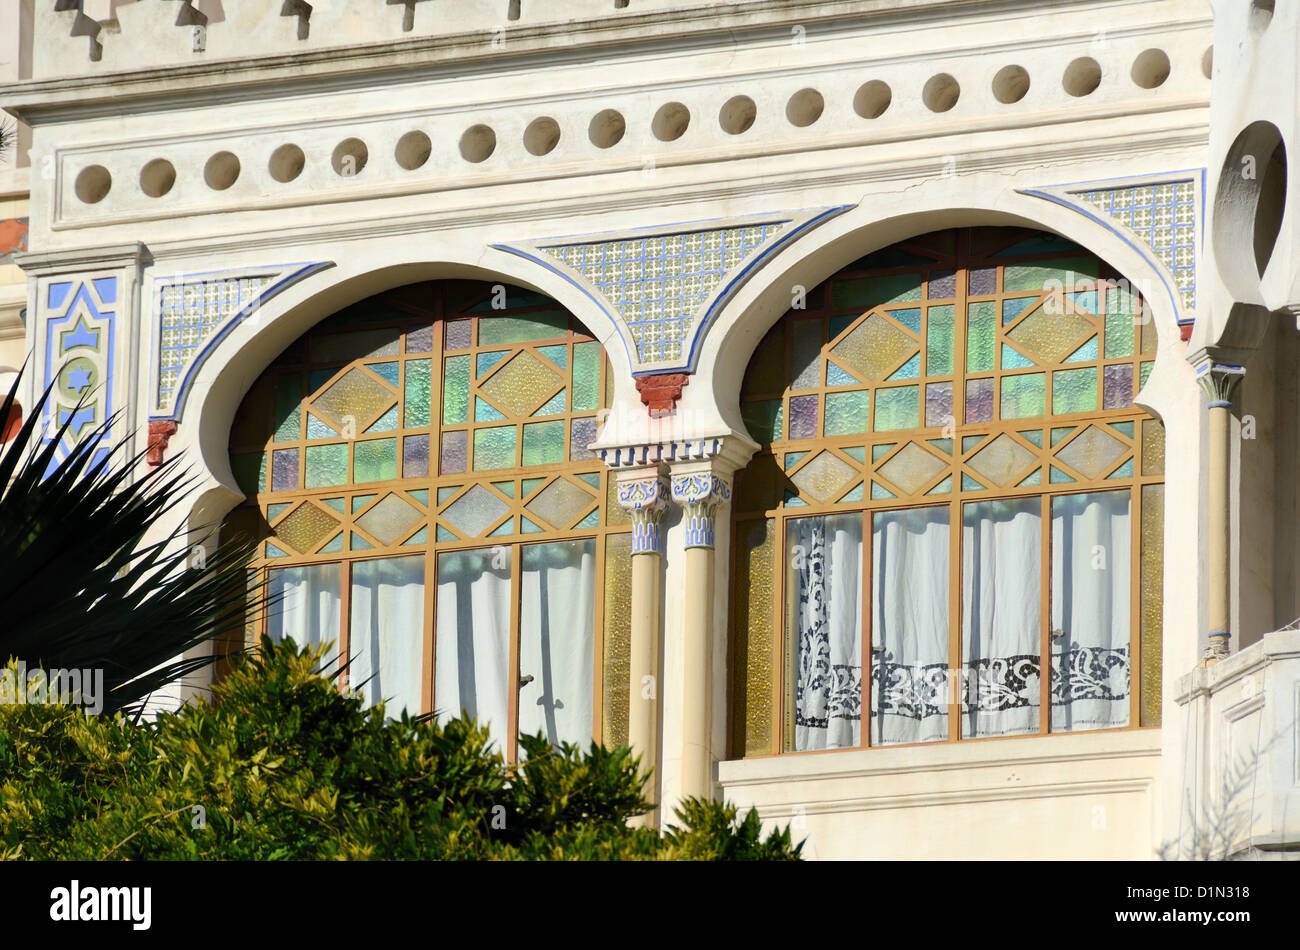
[386,638]
[999,683]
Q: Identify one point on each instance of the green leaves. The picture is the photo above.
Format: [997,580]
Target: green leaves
[81,586]
[281,766]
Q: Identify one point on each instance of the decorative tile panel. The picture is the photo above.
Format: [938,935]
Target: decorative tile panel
[81,328]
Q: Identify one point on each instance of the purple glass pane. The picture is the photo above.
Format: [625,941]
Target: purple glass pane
[979,400]
[583,433]
[420,340]
[284,470]
[458,334]
[983,280]
[803,417]
[1117,386]
[455,452]
[943,283]
[938,404]
[415,456]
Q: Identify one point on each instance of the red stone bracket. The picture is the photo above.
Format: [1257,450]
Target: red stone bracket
[660,393]
[160,432]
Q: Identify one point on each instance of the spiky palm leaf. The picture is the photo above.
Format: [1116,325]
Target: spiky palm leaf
[79,586]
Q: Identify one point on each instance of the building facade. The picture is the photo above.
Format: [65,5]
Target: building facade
[879,414]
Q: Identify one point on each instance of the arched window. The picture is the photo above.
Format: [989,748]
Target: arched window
[417,470]
[954,484]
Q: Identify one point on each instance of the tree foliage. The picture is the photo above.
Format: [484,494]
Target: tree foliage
[283,766]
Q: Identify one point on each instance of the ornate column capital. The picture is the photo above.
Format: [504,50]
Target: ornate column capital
[1219,379]
[644,497]
[700,493]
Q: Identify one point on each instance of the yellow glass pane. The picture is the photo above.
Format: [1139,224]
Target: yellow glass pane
[390,520]
[874,348]
[912,468]
[521,385]
[824,477]
[618,637]
[306,527]
[1092,452]
[1152,558]
[1001,460]
[356,400]
[1050,337]
[560,503]
[755,673]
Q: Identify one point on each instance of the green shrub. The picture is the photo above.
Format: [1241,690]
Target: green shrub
[282,766]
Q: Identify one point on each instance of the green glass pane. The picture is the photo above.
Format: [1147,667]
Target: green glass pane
[1033,478]
[385,423]
[880,451]
[897,408]
[288,412]
[970,484]
[455,390]
[544,443]
[420,537]
[528,527]
[942,488]
[250,471]
[1012,359]
[494,448]
[506,488]
[839,324]
[1059,477]
[1085,300]
[557,354]
[544,325]
[1043,276]
[507,527]
[421,495]
[335,545]
[385,371]
[1146,371]
[847,413]
[487,360]
[835,376]
[554,405]
[763,420]
[939,341]
[273,551]
[1074,390]
[805,354]
[530,485]
[981,330]
[1084,354]
[443,534]
[344,347]
[319,430]
[360,501]
[1124,471]
[863,293]
[1014,308]
[1119,335]
[968,442]
[447,492]
[1024,396]
[793,458]
[318,378]
[326,465]
[419,386]
[854,495]
[361,544]
[376,461]
[483,412]
[910,318]
[1060,433]
[591,521]
[878,491]
[586,377]
[856,452]
[909,370]
[274,511]
[1033,435]
[943,445]
[1125,427]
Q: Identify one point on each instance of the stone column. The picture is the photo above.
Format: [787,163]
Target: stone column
[643,493]
[1219,380]
[701,490]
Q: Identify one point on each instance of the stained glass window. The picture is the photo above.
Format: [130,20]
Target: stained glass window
[403,462]
[966,399]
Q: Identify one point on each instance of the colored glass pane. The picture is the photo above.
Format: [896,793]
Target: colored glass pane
[847,413]
[419,393]
[979,400]
[306,527]
[494,448]
[521,385]
[803,417]
[1074,390]
[455,390]
[586,376]
[288,412]
[375,460]
[1024,396]
[582,434]
[938,404]
[912,468]
[824,477]
[560,502]
[389,520]
[475,511]
[939,341]
[805,354]
[326,465]
[455,453]
[763,420]
[897,408]
[415,456]
[353,401]
[284,470]
[867,292]
[874,348]
[524,328]
[543,443]
[981,331]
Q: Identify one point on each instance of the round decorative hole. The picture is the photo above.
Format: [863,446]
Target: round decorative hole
[413,150]
[1248,206]
[607,128]
[157,177]
[350,156]
[670,122]
[287,163]
[541,136]
[93,183]
[1261,14]
[1010,84]
[478,143]
[737,115]
[1207,62]
[221,171]
[805,107]
[872,99]
[1082,76]
[940,93]
[1150,68]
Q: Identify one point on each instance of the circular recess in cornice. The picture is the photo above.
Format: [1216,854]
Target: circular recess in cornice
[670,121]
[1207,62]
[1010,84]
[607,128]
[478,143]
[872,99]
[349,158]
[93,184]
[1150,68]
[1081,77]
[941,93]
[287,163]
[737,115]
[157,177]
[413,150]
[541,136]
[805,107]
[221,171]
